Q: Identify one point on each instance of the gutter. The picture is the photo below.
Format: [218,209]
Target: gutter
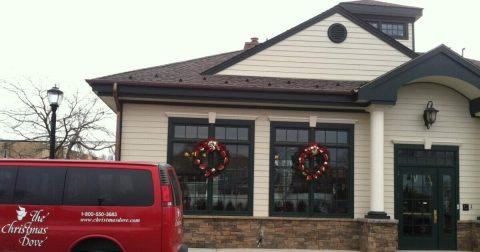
[118,135]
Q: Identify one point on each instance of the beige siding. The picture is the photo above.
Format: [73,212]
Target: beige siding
[144,134]
[311,54]
[144,137]
[454,126]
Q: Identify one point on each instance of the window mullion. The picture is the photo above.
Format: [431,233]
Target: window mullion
[211,134]
[311,200]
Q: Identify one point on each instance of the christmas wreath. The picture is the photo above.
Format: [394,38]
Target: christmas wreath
[209,147]
[313,151]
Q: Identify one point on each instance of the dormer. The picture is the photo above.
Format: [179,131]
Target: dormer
[395,20]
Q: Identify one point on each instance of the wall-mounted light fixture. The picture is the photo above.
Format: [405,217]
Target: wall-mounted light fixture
[429,114]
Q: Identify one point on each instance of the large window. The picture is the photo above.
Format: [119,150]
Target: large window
[230,192]
[329,196]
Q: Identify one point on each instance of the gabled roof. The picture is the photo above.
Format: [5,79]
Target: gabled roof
[439,62]
[336,9]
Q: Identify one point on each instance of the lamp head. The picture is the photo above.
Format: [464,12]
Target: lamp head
[55,96]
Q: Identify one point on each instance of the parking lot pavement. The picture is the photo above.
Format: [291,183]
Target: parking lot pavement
[262,250]
[287,250]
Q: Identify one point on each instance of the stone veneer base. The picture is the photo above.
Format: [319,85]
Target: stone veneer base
[290,233]
[468,235]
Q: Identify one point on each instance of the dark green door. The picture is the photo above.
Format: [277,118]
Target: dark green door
[426,197]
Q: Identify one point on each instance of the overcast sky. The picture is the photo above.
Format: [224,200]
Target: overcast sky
[66,41]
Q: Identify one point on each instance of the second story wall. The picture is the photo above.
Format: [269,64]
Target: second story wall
[311,54]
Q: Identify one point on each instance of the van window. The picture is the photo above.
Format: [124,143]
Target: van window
[7,182]
[176,188]
[108,187]
[39,186]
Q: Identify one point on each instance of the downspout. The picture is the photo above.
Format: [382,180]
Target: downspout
[118,135]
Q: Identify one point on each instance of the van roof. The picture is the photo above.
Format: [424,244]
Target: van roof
[73,162]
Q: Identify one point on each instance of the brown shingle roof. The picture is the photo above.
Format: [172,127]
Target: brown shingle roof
[188,74]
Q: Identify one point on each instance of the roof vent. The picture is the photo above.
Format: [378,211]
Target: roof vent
[337,33]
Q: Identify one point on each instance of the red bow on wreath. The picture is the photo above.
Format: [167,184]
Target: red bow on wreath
[210,146]
[312,151]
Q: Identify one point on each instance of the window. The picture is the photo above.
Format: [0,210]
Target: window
[39,186]
[230,192]
[329,196]
[108,187]
[7,182]
[395,30]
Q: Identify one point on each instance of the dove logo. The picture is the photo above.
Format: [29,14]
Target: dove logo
[21,213]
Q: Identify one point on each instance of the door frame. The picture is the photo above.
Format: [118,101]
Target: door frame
[398,181]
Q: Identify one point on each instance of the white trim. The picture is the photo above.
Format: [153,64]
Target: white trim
[186,115]
[288,119]
[313,121]
[446,142]
[211,115]
[237,117]
[408,141]
[309,119]
[336,120]
[424,141]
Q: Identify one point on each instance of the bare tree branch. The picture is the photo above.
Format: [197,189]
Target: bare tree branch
[79,119]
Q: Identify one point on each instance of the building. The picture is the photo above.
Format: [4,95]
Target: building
[348,79]
[35,149]
[24,149]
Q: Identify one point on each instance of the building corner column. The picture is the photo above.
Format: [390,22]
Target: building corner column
[377,206]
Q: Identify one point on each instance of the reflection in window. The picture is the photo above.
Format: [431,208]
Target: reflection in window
[230,191]
[291,193]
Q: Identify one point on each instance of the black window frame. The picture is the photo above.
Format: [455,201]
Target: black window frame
[211,133]
[379,27]
[311,137]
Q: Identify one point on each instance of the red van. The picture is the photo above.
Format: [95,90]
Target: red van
[80,206]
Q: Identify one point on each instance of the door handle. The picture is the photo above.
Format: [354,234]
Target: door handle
[435,217]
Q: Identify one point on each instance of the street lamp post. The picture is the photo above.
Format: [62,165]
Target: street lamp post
[55,97]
